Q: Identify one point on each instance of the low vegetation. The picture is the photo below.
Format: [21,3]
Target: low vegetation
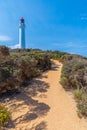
[4,115]
[56,55]
[74,77]
[19,65]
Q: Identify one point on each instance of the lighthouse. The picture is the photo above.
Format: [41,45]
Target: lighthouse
[22,33]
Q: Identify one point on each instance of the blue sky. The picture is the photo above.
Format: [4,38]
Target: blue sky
[50,24]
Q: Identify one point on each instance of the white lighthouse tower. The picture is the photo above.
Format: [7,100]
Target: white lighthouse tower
[22,33]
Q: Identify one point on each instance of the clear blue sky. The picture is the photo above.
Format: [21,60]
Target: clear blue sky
[50,24]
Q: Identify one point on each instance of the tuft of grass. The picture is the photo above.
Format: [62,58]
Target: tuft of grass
[78,93]
[81,102]
[4,115]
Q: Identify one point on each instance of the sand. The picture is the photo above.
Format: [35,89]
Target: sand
[43,104]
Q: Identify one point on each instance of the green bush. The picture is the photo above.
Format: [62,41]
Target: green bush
[56,55]
[4,115]
[36,72]
[78,93]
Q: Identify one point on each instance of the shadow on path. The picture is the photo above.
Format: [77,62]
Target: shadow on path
[54,66]
[25,98]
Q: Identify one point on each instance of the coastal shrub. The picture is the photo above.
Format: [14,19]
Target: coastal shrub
[75,73]
[21,65]
[56,55]
[67,57]
[82,105]
[4,51]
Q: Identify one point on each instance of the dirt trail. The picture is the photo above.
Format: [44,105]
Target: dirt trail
[63,112]
[45,105]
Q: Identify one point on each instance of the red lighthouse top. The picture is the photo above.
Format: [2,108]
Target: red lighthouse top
[22,19]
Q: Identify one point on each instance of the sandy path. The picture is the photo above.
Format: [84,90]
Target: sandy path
[62,115]
[45,107]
